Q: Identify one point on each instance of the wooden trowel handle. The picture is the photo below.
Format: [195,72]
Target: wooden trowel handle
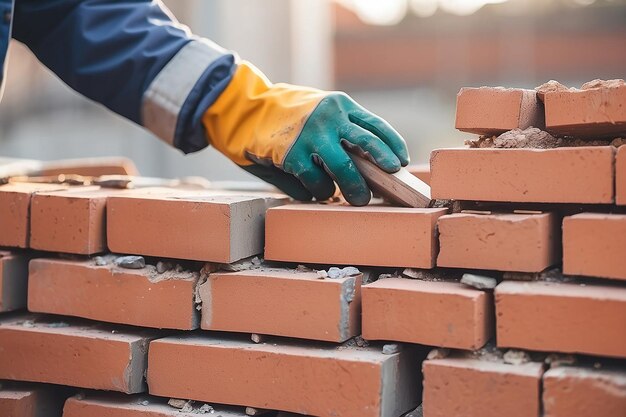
[401,188]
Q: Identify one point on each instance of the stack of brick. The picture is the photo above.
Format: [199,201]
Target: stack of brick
[178,301]
[154,301]
[543,194]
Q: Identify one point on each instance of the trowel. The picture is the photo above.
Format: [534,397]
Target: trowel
[400,188]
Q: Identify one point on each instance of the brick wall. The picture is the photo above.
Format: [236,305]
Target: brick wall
[179,300]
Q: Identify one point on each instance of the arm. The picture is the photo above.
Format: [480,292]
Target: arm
[132,57]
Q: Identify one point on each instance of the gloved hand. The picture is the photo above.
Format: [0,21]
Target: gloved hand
[297,138]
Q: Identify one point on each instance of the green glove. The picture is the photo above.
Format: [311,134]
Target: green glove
[319,155]
[299,138]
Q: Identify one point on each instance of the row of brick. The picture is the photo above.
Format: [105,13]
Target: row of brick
[519,241]
[41,400]
[57,218]
[225,228]
[542,316]
[475,386]
[583,175]
[303,377]
[531,242]
[85,167]
[596,111]
[217,226]
[538,316]
[468,386]
[310,307]
[74,221]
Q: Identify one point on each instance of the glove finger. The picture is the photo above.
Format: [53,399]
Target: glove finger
[287,183]
[340,167]
[371,146]
[316,181]
[384,131]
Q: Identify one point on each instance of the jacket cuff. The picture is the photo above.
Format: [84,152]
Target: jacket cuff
[194,77]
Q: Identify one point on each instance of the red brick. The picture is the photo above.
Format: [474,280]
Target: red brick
[593,245]
[504,242]
[344,235]
[116,405]
[495,110]
[205,226]
[584,392]
[39,349]
[140,297]
[561,317]
[25,400]
[71,221]
[480,388]
[620,176]
[91,167]
[15,201]
[563,175]
[439,313]
[421,171]
[13,280]
[597,112]
[309,308]
[321,380]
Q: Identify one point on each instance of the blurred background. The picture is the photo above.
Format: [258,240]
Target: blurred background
[403,59]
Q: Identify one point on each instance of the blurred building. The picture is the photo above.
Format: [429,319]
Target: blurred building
[403,59]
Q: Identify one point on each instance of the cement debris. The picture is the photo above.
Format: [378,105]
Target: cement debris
[176,403]
[100,261]
[204,409]
[163,267]
[145,403]
[597,83]
[431,275]
[360,342]
[252,411]
[385,276]
[488,353]
[131,262]
[243,265]
[515,357]
[529,138]
[337,273]
[322,274]
[356,341]
[534,138]
[188,406]
[559,359]
[438,353]
[57,325]
[391,348]
[479,282]
[551,86]
[258,338]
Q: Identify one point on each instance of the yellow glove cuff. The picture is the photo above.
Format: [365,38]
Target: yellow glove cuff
[255,118]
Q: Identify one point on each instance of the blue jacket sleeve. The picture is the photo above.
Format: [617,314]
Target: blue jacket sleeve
[112,51]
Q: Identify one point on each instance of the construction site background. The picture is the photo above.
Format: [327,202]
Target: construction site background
[403,59]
